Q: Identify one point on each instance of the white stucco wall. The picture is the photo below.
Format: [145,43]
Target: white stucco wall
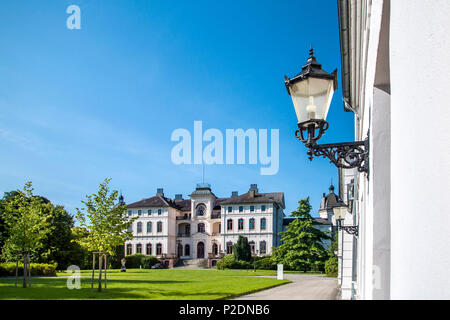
[420,82]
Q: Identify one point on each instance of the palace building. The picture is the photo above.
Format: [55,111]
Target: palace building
[205,226]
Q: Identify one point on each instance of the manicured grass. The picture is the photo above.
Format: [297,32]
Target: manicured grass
[166,284]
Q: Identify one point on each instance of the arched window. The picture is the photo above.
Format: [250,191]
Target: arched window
[179,250]
[251,224]
[201,227]
[139,227]
[158,249]
[149,227]
[229,224]
[149,248]
[201,210]
[229,247]
[262,247]
[263,223]
[187,250]
[200,250]
[215,249]
[129,249]
[159,226]
[139,248]
[241,224]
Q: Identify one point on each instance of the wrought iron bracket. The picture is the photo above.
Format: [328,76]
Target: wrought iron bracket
[348,229]
[345,155]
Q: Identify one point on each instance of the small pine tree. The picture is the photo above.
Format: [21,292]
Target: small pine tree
[242,250]
[303,244]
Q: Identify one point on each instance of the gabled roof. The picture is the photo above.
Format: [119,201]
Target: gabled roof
[183,204]
[156,201]
[272,197]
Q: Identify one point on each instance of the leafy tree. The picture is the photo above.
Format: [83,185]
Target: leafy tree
[106,221]
[27,224]
[57,246]
[7,197]
[242,250]
[303,244]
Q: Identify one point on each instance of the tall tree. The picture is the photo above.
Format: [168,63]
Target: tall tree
[107,223]
[242,250]
[303,244]
[27,225]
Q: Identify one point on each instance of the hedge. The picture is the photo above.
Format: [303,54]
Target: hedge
[37,269]
[230,262]
[137,260]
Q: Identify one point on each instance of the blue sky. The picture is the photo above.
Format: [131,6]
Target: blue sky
[77,106]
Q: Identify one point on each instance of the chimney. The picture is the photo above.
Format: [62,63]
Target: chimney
[234,194]
[253,190]
[160,192]
[179,196]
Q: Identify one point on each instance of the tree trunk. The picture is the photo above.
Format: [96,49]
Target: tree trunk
[24,270]
[106,268]
[93,271]
[17,270]
[29,270]
[100,269]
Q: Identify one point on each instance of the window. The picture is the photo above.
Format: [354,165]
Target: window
[149,212]
[158,249]
[262,247]
[251,224]
[252,208]
[159,212]
[139,227]
[229,247]
[201,209]
[263,208]
[149,227]
[187,250]
[139,212]
[130,228]
[130,212]
[229,224]
[139,248]
[149,248]
[241,208]
[252,246]
[129,249]
[263,224]
[241,224]
[201,227]
[230,209]
[159,226]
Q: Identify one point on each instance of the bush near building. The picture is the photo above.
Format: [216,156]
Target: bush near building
[331,266]
[37,269]
[140,260]
[230,262]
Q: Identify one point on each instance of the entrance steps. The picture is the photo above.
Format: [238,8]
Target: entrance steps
[192,264]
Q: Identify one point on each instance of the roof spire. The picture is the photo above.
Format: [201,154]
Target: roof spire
[311,51]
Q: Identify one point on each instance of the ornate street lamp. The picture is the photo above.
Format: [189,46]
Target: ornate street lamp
[311,92]
[340,210]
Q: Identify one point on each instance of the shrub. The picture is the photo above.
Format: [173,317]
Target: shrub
[137,260]
[265,263]
[331,266]
[37,269]
[230,262]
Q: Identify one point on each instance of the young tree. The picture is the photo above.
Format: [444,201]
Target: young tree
[303,244]
[27,224]
[242,250]
[107,223]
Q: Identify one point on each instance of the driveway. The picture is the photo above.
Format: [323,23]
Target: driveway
[303,287]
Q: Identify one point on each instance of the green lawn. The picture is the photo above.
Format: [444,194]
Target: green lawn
[166,284]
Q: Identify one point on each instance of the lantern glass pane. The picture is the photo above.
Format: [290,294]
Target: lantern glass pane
[311,98]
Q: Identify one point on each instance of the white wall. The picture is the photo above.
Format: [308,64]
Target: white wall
[420,183]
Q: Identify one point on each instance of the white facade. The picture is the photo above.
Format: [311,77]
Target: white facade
[206,226]
[395,71]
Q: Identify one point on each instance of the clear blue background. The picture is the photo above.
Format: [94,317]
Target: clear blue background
[77,106]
